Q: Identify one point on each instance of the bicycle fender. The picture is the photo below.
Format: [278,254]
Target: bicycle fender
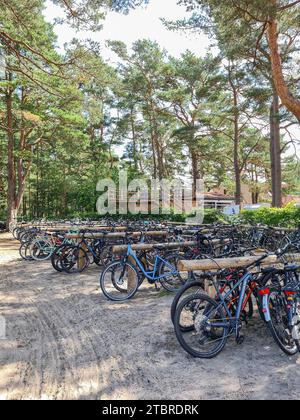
[266,309]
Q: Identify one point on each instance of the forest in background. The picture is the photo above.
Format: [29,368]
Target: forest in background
[228,118]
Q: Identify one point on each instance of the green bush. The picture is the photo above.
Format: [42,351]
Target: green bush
[288,216]
[213,216]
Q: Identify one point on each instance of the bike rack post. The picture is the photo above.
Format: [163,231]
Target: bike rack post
[131,276]
[81,259]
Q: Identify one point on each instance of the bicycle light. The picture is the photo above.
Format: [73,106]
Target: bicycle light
[264,292]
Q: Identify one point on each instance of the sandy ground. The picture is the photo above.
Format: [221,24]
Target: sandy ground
[65,341]
[8,248]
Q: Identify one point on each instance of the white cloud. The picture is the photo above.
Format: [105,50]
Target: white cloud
[143,22]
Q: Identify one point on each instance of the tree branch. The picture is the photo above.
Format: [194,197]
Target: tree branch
[288,6]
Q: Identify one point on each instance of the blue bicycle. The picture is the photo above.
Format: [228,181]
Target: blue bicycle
[121,279]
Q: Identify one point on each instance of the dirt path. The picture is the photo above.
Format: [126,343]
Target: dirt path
[9,248]
[65,341]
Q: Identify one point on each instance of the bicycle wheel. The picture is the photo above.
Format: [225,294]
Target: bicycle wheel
[74,259]
[203,341]
[106,255]
[41,250]
[97,250]
[16,231]
[172,280]
[24,236]
[24,252]
[188,288]
[119,281]
[279,325]
[270,244]
[57,257]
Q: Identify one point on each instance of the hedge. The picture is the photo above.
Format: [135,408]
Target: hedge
[288,216]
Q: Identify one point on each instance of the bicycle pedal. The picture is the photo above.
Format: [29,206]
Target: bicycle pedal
[240,340]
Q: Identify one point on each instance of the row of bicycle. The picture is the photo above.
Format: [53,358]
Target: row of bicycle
[242,236]
[75,250]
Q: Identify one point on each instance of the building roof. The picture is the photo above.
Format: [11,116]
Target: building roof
[217,197]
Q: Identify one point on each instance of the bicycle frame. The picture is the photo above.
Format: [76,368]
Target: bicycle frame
[252,286]
[150,275]
[233,322]
[91,250]
[47,243]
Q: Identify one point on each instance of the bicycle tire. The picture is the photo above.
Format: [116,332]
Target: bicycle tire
[211,305]
[116,287]
[271,326]
[179,295]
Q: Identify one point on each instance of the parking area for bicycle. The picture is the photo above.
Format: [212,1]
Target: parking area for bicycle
[94,348]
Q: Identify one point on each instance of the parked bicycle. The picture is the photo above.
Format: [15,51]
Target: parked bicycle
[121,279]
[203,323]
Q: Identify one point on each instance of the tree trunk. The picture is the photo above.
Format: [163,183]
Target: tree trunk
[154,156]
[20,189]
[160,158]
[195,171]
[159,162]
[287,99]
[256,195]
[134,141]
[253,193]
[37,183]
[11,175]
[157,150]
[236,141]
[237,173]
[237,170]
[275,152]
